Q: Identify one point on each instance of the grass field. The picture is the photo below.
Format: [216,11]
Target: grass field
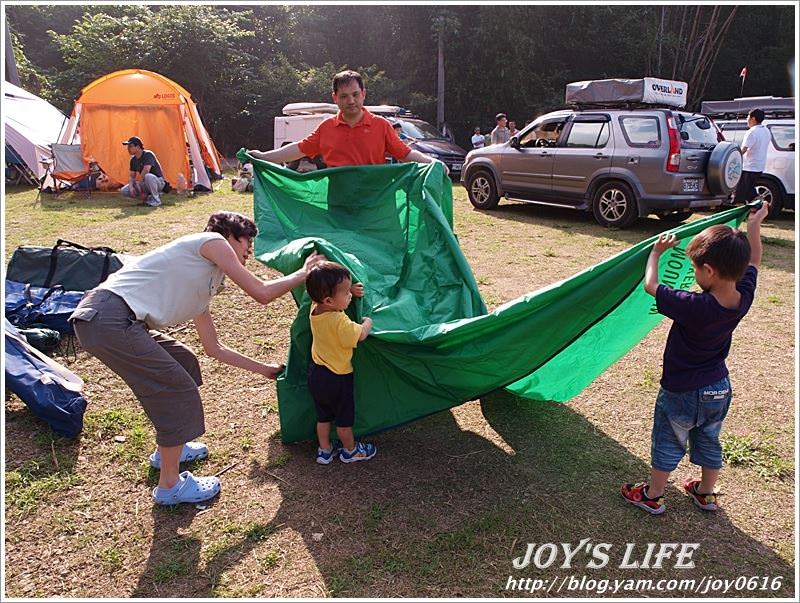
[449,501]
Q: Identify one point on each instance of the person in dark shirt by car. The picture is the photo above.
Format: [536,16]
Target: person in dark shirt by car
[147,177]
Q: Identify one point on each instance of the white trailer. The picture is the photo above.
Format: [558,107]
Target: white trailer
[300,119]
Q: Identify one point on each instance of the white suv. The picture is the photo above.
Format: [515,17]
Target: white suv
[777,180]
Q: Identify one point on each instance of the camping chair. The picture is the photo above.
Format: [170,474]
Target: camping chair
[67,169]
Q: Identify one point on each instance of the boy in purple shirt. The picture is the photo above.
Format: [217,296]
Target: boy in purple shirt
[695,391]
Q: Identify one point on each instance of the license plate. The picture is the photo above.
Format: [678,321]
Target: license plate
[456,167]
[692,185]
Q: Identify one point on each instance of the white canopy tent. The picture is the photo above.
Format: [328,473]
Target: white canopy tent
[31,126]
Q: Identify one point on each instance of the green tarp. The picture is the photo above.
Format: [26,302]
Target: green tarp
[433,345]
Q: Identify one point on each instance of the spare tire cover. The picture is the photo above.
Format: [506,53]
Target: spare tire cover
[724,168]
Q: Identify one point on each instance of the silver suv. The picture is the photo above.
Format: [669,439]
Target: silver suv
[617,163]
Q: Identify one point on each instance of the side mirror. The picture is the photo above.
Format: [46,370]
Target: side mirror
[684,135]
[514,142]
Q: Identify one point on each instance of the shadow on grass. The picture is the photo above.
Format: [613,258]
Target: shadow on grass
[40,465]
[443,512]
[569,219]
[108,200]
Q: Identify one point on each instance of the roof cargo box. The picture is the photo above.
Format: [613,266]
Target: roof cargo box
[738,107]
[620,92]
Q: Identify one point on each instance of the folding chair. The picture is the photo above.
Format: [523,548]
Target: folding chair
[66,168]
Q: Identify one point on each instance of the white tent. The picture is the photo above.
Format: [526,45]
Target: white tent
[31,126]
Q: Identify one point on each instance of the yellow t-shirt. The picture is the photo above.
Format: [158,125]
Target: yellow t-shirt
[334,337]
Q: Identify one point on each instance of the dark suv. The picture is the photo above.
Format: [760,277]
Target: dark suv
[423,137]
[617,163]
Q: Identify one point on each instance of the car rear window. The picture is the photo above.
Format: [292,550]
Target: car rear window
[783,136]
[699,129]
[641,131]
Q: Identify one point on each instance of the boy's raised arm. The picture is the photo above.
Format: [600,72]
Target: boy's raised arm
[664,242]
[754,221]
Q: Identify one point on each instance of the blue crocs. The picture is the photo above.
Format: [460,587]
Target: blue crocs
[192,451]
[189,489]
[362,452]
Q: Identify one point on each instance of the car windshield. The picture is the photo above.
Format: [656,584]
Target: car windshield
[783,136]
[699,129]
[420,130]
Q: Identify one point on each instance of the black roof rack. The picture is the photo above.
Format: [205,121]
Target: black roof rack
[621,105]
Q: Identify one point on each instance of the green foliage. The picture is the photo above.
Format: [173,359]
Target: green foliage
[243,63]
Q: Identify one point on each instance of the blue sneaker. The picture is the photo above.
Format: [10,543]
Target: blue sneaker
[362,452]
[324,457]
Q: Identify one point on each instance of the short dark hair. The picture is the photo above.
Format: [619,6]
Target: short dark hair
[757,114]
[324,278]
[500,116]
[724,248]
[345,77]
[231,223]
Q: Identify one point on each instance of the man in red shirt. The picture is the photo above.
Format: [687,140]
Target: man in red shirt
[354,136]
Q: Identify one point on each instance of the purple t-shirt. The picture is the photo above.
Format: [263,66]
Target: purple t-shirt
[700,337]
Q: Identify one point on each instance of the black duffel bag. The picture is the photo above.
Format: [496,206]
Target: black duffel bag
[73,266]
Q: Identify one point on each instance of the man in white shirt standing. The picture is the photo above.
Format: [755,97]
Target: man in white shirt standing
[754,156]
[478,140]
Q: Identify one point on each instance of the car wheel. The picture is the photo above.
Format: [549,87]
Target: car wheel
[772,195]
[676,216]
[482,190]
[614,205]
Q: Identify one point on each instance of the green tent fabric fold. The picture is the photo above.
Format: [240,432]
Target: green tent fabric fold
[433,345]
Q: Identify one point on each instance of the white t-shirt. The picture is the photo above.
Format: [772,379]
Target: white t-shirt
[757,141]
[171,284]
[478,140]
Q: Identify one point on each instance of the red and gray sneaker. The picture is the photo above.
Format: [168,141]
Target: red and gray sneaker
[707,502]
[636,494]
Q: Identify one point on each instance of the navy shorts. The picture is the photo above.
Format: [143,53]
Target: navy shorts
[333,395]
[692,418]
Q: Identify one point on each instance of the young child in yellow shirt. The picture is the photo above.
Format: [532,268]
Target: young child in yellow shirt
[330,372]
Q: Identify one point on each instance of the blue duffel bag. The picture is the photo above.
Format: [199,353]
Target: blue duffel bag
[50,390]
[26,305]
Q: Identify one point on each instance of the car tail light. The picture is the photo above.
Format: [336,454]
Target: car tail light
[674,157]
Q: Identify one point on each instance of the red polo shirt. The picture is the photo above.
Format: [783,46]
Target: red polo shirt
[366,143]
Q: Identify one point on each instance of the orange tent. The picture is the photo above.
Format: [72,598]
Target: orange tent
[135,102]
